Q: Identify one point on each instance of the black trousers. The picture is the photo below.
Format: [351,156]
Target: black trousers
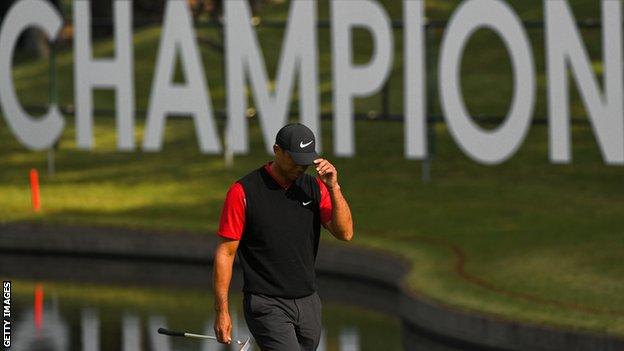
[280,324]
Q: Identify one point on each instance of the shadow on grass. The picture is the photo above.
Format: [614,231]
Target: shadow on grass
[196,216]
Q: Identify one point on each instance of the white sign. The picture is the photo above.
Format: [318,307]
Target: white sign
[565,53]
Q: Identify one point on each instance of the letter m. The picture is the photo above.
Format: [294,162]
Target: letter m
[243,56]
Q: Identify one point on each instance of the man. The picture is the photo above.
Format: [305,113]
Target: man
[272,217]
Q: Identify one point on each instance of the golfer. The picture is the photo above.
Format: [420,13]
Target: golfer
[272,217]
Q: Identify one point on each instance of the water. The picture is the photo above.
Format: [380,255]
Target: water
[95,304]
[92,318]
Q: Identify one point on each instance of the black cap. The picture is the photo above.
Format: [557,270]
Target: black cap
[298,140]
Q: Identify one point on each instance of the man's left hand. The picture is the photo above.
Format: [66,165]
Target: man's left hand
[327,172]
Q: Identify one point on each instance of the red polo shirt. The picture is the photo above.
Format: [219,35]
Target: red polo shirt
[232,220]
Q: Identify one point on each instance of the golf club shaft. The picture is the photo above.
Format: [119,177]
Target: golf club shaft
[245,344]
[187,335]
[199,336]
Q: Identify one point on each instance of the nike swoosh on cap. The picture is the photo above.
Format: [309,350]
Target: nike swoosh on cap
[302,145]
[306,203]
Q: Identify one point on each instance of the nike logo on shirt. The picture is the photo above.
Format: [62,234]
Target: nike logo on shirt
[306,203]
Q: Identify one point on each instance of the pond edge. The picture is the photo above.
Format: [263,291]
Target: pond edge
[419,313]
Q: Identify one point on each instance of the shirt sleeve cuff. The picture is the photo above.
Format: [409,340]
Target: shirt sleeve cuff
[229,235]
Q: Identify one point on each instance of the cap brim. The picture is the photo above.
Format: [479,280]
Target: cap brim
[303,158]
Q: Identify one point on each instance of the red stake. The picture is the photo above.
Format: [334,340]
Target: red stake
[34,190]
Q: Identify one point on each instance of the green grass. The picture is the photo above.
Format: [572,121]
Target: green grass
[526,226]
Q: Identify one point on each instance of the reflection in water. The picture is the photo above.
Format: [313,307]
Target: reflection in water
[130,332]
[323,343]
[210,346]
[90,323]
[54,333]
[157,341]
[349,340]
[116,305]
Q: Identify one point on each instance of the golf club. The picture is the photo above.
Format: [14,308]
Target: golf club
[245,345]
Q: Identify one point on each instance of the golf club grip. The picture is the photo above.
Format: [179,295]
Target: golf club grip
[169,332]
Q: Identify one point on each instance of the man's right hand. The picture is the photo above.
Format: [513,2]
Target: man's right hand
[223,327]
[224,259]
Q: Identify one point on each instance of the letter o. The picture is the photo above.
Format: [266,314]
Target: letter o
[488,147]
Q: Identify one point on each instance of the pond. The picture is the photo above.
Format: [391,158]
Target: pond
[93,304]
